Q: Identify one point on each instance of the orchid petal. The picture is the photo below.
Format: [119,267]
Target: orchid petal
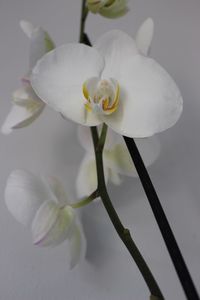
[20,117]
[119,161]
[57,189]
[59,76]
[144,36]
[40,40]
[85,139]
[25,96]
[149,149]
[150,100]
[28,107]
[116,47]
[86,182]
[114,177]
[27,27]
[24,194]
[52,224]
[40,44]
[77,245]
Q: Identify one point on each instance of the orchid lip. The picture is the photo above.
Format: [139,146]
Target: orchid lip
[101,95]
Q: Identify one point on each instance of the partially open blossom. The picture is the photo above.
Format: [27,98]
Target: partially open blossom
[41,204]
[108,8]
[113,82]
[27,106]
[117,160]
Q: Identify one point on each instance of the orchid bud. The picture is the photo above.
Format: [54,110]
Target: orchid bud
[108,8]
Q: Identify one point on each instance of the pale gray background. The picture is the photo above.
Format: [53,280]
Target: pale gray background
[48,146]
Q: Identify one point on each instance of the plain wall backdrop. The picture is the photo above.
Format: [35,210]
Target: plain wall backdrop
[50,146]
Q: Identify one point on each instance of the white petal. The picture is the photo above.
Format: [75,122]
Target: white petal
[41,43]
[20,116]
[115,46]
[85,139]
[149,149]
[77,245]
[86,182]
[119,160]
[52,224]
[112,139]
[150,100]
[24,194]
[40,40]
[28,107]
[114,177]
[56,187]
[25,96]
[144,36]
[27,28]
[59,76]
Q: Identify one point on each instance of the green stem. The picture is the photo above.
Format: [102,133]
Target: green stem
[85,201]
[84,13]
[123,232]
[102,138]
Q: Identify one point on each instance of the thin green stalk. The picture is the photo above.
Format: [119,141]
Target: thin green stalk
[102,137]
[123,232]
[86,200]
[84,13]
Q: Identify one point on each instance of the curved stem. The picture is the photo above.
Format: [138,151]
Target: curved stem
[123,232]
[86,200]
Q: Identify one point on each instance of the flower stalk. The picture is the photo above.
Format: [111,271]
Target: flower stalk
[86,200]
[84,13]
[123,232]
[159,214]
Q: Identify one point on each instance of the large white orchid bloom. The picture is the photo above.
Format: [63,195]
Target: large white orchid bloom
[41,204]
[108,8]
[114,82]
[117,160]
[27,106]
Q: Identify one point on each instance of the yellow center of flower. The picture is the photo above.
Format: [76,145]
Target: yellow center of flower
[102,96]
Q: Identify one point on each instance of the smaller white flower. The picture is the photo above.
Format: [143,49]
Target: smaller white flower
[27,106]
[41,204]
[117,160]
[108,8]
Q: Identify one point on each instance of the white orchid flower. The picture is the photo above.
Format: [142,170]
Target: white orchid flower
[108,8]
[112,82]
[117,160]
[41,204]
[27,106]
